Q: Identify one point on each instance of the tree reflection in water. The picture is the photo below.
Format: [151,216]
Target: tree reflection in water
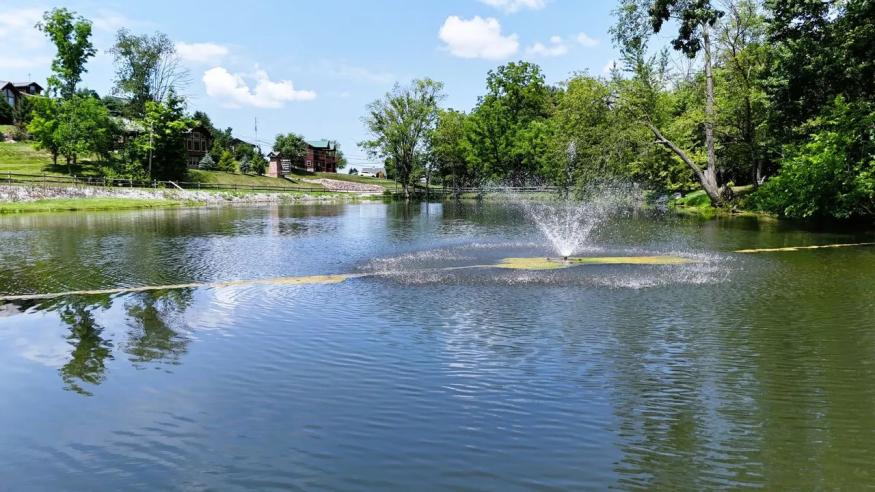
[156,321]
[91,350]
[156,333]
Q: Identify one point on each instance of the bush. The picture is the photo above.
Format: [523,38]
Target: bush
[829,176]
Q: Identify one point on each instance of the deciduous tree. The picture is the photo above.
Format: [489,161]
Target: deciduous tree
[400,124]
[71,35]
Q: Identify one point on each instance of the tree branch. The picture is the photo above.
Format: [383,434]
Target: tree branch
[660,139]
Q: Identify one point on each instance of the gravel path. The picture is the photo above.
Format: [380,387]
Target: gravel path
[337,185]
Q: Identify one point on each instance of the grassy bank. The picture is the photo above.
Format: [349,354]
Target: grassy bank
[73,204]
[23,158]
[697,203]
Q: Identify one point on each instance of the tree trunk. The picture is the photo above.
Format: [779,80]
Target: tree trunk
[710,181]
[750,141]
[709,184]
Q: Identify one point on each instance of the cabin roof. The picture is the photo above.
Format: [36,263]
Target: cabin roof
[323,144]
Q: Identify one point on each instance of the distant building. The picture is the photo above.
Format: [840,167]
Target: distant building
[197,144]
[12,92]
[373,172]
[321,157]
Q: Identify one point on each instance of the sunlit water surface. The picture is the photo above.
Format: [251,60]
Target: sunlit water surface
[734,371]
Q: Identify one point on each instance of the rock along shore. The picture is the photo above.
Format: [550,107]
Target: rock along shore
[23,194]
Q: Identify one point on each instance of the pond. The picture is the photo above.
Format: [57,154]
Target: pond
[733,370]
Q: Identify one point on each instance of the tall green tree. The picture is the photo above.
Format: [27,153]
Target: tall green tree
[583,149]
[451,150]
[508,135]
[741,89]
[400,124]
[71,35]
[292,146]
[696,20]
[161,147]
[147,68]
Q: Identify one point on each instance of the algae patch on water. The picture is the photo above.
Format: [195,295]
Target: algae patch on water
[308,280]
[557,263]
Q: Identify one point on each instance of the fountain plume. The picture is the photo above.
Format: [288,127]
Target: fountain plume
[568,223]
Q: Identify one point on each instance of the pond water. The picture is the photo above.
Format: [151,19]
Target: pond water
[736,370]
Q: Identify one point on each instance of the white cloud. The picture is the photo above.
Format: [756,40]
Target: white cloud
[17,30]
[233,90]
[201,52]
[556,47]
[585,40]
[512,6]
[477,38]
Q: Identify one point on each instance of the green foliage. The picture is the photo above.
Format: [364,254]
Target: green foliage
[71,36]
[696,199]
[692,17]
[341,160]
[508,131]
[72,127]
[164,139]
[451,150]
[226,162]
[22,113]
[401,124]
[820,50]
[145,68]
[830,175]
[5,112]
[44,126]
[207,163]
[292,147]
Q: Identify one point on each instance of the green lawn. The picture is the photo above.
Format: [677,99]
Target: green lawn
[69,204]
[23,158]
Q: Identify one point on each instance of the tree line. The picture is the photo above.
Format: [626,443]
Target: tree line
[136,132]
[766,105]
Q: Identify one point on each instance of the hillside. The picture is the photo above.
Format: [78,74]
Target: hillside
[23,158]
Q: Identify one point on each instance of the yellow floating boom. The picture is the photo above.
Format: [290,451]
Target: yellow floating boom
[800,248]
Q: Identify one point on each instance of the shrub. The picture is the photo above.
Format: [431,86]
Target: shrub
[207,163]
[832,174]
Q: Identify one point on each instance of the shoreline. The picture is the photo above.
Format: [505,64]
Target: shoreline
[33,198]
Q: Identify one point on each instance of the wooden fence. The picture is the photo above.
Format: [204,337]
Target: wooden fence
[55,180]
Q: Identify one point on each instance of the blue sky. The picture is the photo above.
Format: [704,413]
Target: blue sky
[311,67]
